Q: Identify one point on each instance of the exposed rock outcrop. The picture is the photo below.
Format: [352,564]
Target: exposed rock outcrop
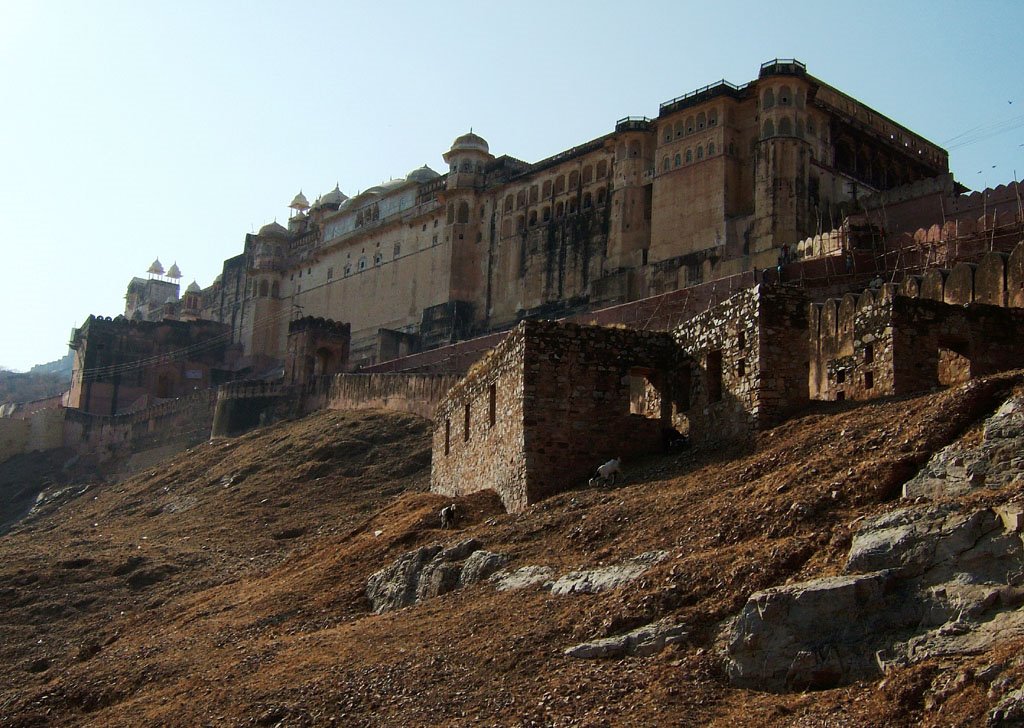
[642,642]
[430,571]
[920,582]
[605,578]
[997,461]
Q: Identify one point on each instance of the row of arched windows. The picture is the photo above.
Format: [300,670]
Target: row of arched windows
[458,214]
[264,289]
[552,187]
[690,155]
[692,125]
[560,210]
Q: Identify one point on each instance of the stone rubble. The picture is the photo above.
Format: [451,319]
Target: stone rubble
[641,642]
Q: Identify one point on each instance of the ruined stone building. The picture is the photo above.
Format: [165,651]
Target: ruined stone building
[715,184]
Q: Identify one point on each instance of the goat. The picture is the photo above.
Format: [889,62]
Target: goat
[608,473]
[449,515]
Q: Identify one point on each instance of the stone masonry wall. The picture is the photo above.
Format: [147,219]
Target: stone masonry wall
[577,400]
[883,343]
[748,367]
[851,346]
[488,454]
[415,393]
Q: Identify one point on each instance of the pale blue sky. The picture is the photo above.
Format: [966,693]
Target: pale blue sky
[131,130]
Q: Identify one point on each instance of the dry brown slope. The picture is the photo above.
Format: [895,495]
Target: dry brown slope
[228,588]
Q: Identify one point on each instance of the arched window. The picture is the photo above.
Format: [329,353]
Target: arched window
[634,149]
[560,183]
[588,174]
[508,203]
[463,216]
[702,120]
[680,129]
[574,180]
[559,209]
[378,259]
[601,195]
[466,166]
[362,262]
[668,134]
[785,126]
[689,125]
[572,205]
[587,201]
[664,165]
[275,289]
[533,194]
[713,117]
[711,149]
[546,213]
[799,98]
[533,218]
[264,289]
[520,199]
[785,96]
[520,223]
[602,169]
[769,129]
[700,153]
[689,156]
[678,160]
[348,269]
[768,99]
[546,189]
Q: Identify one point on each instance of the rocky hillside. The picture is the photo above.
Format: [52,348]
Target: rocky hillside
[299,576]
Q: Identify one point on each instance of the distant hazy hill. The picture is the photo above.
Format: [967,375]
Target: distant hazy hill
[42,380]
[60,366]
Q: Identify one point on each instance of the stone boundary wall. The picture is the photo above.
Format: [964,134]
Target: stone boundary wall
[882,343]
[418,394]
[850,342]
[181,422]
[997,279]
[42,430]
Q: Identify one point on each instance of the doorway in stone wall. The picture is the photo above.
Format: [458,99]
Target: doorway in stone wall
[645,392]
[323,362]
[954,362]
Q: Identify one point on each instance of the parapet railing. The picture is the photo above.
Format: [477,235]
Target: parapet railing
[250,389]
[720,84]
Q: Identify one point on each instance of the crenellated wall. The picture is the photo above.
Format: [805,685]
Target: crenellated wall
[884,342]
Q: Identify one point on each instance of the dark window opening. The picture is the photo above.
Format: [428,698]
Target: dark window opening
[492,405]
[741,367]
[715,376]
[869,380]
[869,354]
[741,340]
[841,377]
[465,428]
[447,436]
[840,396]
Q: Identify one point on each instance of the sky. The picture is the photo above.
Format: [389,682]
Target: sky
[142,129]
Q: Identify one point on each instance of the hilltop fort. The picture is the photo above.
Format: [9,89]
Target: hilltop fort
[732,224]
